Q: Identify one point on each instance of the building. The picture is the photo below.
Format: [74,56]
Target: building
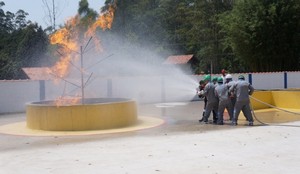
[183,62]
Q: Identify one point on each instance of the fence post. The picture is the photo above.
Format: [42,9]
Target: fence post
[285,80]
[42,90]
[250,78]
[109,87]
[163,90]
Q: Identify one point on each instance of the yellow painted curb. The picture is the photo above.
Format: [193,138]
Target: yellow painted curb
[20,128]
[96,114]
[281,99]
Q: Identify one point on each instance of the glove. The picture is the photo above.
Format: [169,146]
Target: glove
[201,92]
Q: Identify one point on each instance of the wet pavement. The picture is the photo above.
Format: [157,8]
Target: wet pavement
[180,145]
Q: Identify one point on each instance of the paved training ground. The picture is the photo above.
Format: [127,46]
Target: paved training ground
[179,145]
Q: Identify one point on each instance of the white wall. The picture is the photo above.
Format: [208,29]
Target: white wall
[293,79]
[268,80]
[144,89]
[15,94]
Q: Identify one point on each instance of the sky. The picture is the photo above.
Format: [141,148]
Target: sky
[37,10]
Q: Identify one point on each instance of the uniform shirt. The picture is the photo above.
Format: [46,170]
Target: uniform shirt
[242,90]
[224,79]
[209,92]
[230,83]
[222,92]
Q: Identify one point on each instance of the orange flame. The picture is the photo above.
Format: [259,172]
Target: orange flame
[63,101]
[68,40]
[104,22]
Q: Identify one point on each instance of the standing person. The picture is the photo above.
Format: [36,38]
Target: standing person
[242,89]
[202,84]
[212,100]
[200,91]
[215,114]
[222,92]
[215,80]
[223,72]
[229,83]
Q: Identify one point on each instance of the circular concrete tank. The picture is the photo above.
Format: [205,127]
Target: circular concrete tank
[94,114]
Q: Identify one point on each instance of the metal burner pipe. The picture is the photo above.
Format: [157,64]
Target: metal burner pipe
[82,80]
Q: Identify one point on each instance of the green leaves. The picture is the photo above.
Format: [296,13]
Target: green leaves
[264,34]
[22,44]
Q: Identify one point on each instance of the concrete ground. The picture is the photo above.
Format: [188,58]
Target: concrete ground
[180,145]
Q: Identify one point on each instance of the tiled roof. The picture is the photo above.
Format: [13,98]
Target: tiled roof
[178,59]
[38,73]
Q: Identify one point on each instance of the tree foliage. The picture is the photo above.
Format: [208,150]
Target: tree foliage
[176,26]
[236,35]
[265,34]
[22,44]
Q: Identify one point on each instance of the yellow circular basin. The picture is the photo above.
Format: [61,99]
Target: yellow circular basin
[94,114]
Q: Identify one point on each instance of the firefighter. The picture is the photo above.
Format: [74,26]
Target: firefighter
[222,92]
[200,88]
[242,90]
[199,92]
[215,80]
[223,72]
[212,100]
[215,114]
[229,82]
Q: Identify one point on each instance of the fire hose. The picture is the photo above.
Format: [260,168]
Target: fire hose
[272,106]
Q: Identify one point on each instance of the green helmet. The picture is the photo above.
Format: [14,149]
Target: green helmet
[241,77]
[214,79]
[206,78]
[220,80]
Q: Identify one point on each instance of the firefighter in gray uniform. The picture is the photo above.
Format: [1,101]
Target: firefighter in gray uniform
[229,82]
[222,92]
[242,90]
[212,100]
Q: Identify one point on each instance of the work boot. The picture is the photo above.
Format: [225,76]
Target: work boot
[201,120]
[205,120]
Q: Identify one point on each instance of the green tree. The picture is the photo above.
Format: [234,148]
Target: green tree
[136,25]
[192,28]
[86,14]
[174,26]
[139,23]
[265,35]
[22,44]
[236,35]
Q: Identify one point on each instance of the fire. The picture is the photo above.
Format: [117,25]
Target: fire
[70,37]
[104,22]
[63,101]
[67,39]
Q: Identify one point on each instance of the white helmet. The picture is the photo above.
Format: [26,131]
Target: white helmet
[228,76]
